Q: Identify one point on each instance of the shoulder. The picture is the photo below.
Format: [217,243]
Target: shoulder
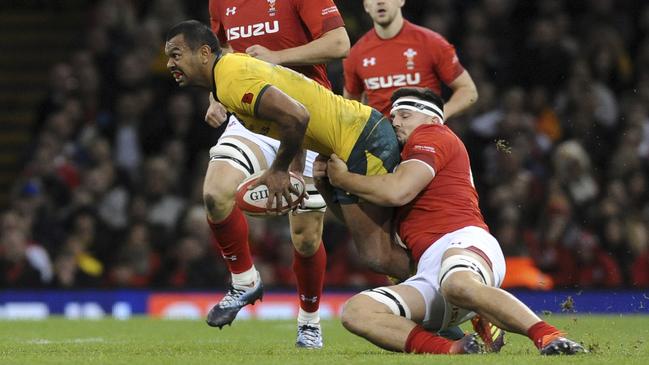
[363,42]
[323,7]
[228,61]
[236,59]
[432,134]
[423,33]
[231,67]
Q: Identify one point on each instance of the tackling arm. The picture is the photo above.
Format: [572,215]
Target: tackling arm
[391,190]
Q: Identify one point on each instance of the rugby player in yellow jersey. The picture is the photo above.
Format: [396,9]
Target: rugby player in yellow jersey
[301,114]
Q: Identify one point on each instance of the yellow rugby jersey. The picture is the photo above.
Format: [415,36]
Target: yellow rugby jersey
[335,123]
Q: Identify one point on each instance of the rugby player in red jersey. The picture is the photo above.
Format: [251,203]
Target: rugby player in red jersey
[302,35]
[397,53]
[460,265]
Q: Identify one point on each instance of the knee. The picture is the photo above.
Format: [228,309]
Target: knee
[458,291]
[306,240]
[354,315]
[218,201]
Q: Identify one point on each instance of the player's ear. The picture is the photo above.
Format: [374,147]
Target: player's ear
[205,52]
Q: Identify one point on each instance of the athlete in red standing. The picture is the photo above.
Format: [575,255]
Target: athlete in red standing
[397,53]
[460,265]
[302,35]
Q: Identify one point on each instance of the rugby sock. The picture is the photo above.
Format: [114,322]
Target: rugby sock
[421,341]
[246,279]
[304,317]
[541,330]
[231,236]
[309,273]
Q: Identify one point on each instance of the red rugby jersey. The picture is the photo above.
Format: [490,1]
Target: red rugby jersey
[416,56]
[449,202]
[275,25]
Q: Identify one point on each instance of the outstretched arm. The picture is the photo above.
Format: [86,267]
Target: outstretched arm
[390,190]
[332,45]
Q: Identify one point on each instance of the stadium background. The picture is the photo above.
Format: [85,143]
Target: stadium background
[102,156]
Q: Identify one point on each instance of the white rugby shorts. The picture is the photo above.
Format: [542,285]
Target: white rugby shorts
[267,145]
[440,314]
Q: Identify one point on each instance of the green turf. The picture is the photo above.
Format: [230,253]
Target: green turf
[611,339]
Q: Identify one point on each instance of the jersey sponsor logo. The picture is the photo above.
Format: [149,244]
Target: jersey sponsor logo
[230,258]
[410,54]
[424,148]
[398,80]
[247,98]
[231,11]
[329,10]
[272,10]
[371,61]
[252,30]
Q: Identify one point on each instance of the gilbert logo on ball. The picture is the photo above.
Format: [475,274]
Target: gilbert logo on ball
[253,202]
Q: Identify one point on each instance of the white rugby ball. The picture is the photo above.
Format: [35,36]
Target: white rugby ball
[253,202]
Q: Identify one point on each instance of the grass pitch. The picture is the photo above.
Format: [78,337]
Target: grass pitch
[611,340]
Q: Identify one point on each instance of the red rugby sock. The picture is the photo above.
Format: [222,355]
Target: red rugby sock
[231,236]
[539,331]
[309,272]
[421,341]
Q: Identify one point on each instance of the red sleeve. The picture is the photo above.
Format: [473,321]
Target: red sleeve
[448,66]
[215,22]
[434,149]
[353,83]
[320,16]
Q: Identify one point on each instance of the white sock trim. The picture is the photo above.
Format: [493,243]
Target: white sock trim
[246,278]
[304,317]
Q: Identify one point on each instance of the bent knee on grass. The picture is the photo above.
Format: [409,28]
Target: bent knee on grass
[460,288]
[359,311]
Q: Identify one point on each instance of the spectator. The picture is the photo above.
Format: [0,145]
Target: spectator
[22,263]
[137,263]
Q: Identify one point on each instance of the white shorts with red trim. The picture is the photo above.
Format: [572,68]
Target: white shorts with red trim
[440,313]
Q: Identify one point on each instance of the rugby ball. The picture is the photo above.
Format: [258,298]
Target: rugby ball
[253,202]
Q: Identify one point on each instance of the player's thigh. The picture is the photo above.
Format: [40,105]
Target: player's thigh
[424,281]
[474,250]
[401,300]
[232,159]
[369,224]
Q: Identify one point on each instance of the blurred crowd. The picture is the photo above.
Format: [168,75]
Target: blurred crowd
[111,190]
